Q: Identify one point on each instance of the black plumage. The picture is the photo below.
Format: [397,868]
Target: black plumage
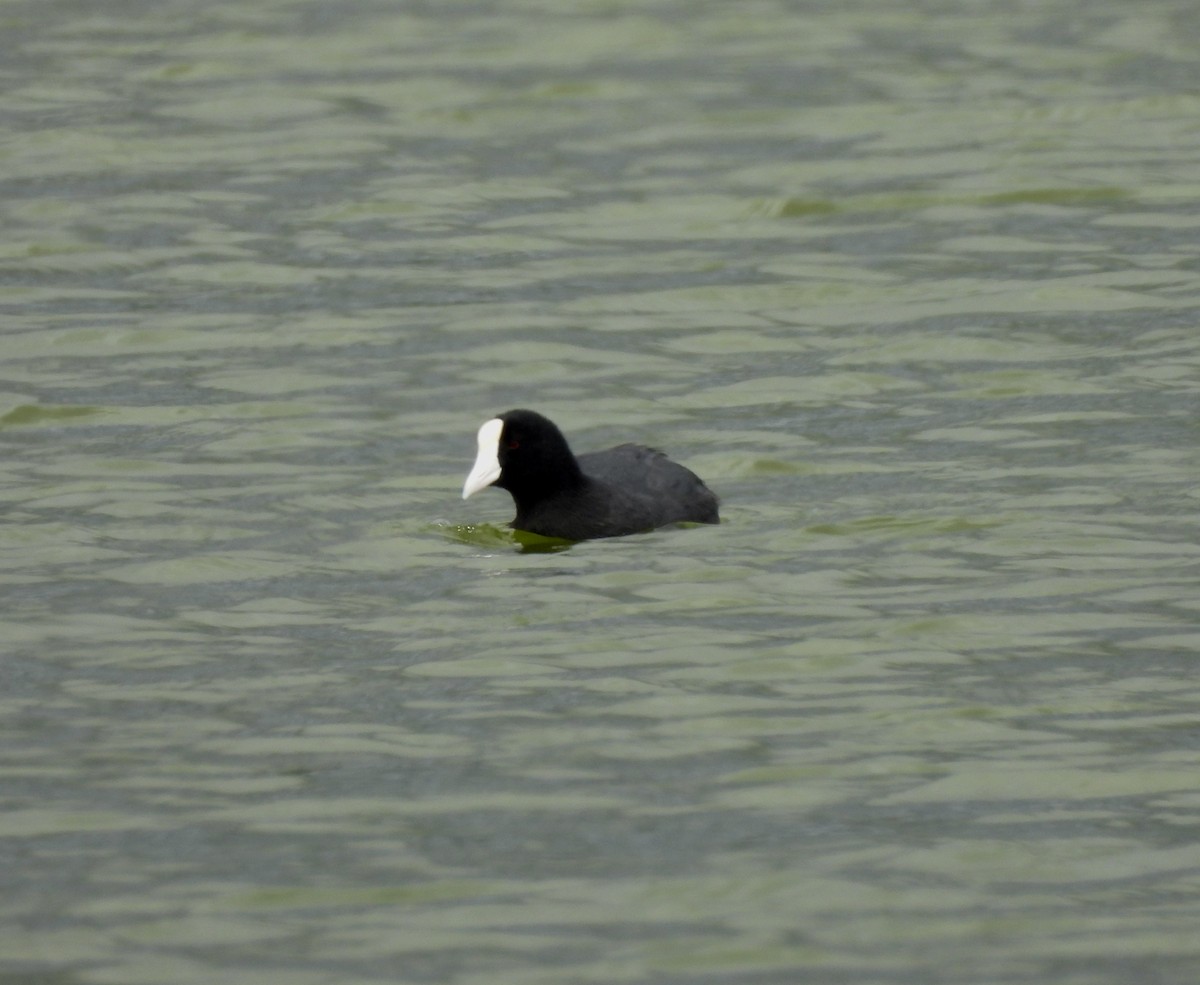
[624,490]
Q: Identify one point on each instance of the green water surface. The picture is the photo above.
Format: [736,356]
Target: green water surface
[914,287]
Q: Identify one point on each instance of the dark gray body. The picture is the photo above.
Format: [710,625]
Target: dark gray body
[625,490]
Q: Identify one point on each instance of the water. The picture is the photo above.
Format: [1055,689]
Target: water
[914,290]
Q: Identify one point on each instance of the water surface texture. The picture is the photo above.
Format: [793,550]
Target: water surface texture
[915,287]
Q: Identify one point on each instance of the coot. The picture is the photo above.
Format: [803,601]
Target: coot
[611,493]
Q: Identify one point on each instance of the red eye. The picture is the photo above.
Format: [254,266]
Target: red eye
[513,443]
